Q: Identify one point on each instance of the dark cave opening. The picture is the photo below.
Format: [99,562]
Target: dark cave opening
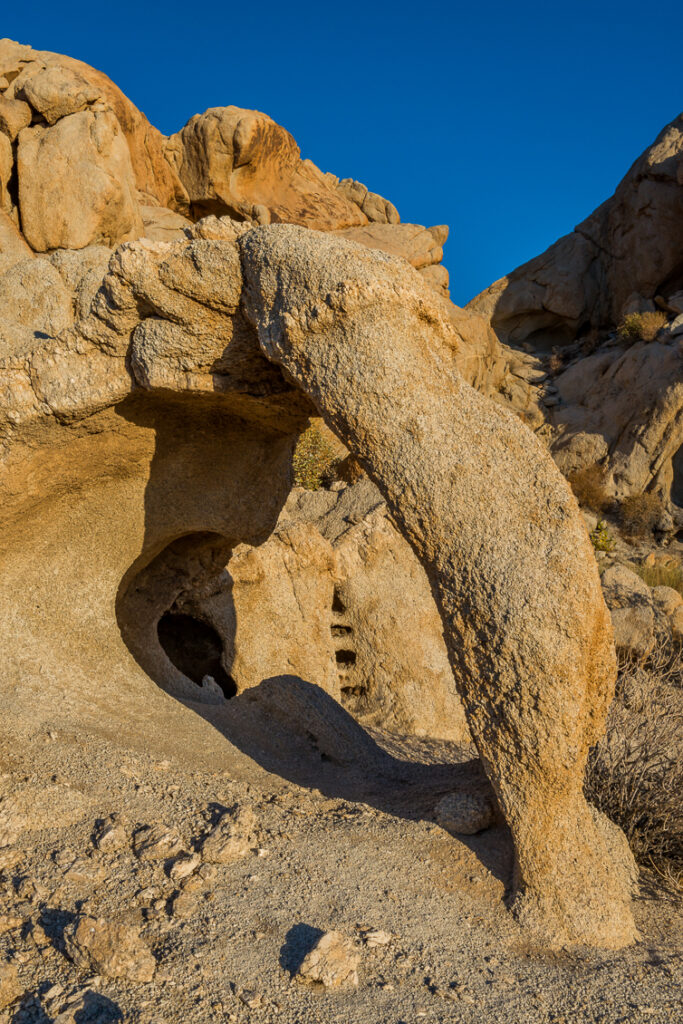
[195,648]
[345,657]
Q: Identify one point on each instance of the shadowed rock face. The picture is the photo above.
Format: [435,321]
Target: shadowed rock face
[154,435]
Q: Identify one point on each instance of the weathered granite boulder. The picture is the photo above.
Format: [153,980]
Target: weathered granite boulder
[629,600]
[501,538]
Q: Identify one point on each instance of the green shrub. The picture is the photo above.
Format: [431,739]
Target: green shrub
[640,513]
[588,485]
[314,460]
[601,538]
[641,326]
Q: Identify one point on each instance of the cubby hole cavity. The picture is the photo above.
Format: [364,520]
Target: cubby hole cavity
[196,650]
[677,482]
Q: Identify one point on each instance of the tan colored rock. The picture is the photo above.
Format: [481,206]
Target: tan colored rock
[153,173]
[374,207]
[623,408]
[36,302]
[113,949]
[666,599]
[332,962]
[525,623]
[76,184]
[6,165]
[163,225]
[58,91]
[10,988]
[630,244]
[82,271]
[157,842]
[233,837]
[392,659]
[331,597]
[14,115]
[422,247]
[13,248]
[676,621]
[465,813]
[241,162]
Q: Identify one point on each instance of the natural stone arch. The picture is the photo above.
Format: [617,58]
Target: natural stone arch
[165,376]
[502,541]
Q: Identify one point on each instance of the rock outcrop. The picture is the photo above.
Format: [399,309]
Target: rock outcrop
[160,404]
[337,596]
[628,252]
[598,397]
[150,401]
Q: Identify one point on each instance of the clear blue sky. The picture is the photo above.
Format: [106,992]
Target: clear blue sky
[508,121]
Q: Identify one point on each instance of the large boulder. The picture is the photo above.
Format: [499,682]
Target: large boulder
[76,183]
[240,162]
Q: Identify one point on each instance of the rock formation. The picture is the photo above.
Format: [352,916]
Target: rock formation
[606,403]
[626,254]
[148,414]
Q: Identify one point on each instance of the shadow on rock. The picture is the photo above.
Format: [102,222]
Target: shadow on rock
[299,941]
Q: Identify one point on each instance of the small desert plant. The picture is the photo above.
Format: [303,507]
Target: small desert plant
[635,772]
[641,326]
[601,538]
[640,513]
[314,460]
[556,362]
[588,485]
[659,575]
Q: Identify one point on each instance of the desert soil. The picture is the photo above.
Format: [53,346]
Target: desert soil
[347,847]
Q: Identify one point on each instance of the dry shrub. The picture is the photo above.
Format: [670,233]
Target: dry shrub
[314,460]
[641,326]
[556,362]
[349,470]
[659,575]
[588,485]
[640,513]
[635,772]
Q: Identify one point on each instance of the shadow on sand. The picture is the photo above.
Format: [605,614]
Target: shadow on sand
[294,729]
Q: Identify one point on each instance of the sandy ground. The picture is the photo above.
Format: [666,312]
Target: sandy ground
[346,841]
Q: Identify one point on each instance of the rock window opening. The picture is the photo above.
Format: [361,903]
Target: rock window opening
[338,605]
[677,482]
[195,648]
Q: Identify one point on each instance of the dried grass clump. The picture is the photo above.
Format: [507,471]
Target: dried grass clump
[659,575]
[588,485]
[641,326]
[640,513]
[314,460]
[635,772]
